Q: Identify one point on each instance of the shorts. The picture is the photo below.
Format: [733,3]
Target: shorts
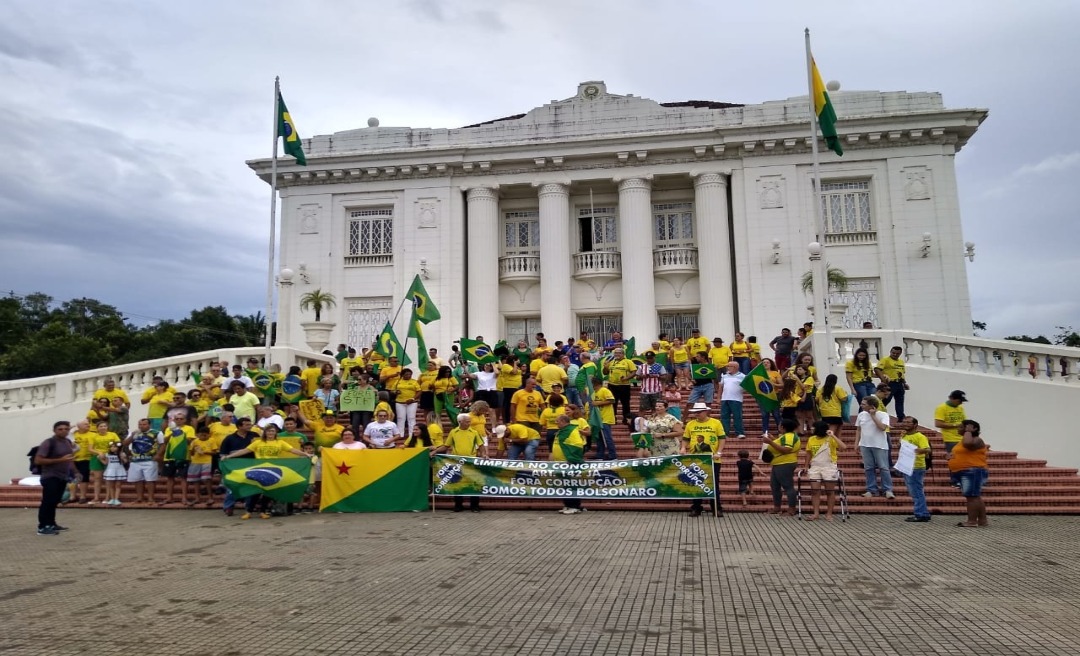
[833,421]
[972,481]
[83,468]
[202,471]
[806,405]
[142,470]
[175,469]
[827,473]
[155,424]
[744,485]
[96,465]
[682,366]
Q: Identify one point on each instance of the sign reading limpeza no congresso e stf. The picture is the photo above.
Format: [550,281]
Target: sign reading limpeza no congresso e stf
[667,477]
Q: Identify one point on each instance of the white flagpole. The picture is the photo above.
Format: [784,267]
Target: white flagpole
[824,347]
[273,228]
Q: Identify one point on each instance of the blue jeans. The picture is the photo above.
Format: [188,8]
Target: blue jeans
[229,501]
[864,389]
[744,365]
[876,459]
[703,393]
[731,417]
[918,495]
[766,415]
[513,451]
[573,396]
[605,446]
[897,390]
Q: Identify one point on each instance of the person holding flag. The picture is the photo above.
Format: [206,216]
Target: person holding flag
[569,446]
[761,383]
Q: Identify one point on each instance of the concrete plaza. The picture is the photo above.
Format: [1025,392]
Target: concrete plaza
[195,582]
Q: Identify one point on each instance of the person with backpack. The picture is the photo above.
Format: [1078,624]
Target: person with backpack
[55,457]
[914,482]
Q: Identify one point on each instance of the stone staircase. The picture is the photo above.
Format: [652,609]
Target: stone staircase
[1016,486]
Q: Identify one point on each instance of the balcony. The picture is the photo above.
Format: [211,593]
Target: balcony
[597,269]
[676,265]
[520,272]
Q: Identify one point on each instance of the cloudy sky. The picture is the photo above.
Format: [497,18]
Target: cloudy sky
[123,173]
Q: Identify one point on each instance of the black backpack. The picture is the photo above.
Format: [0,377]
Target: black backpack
[35,469]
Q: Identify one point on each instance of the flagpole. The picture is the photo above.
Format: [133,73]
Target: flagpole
[824,351]
[273,228]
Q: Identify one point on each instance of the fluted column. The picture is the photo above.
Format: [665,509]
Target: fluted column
[714,270]
[635,244]
[483,262]
[555,316]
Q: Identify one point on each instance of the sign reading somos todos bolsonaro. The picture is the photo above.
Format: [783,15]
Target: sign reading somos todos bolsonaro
[667,477]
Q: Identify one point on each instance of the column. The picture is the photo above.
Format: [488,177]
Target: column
[714,255]
[284,311]
[482,260]
[555,302]
[635,243]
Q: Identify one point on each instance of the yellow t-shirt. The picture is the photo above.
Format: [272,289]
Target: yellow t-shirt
[755,351]
[620,372]
[607,412]
[427,379]
[550,374]
[349,363]
[790,440]
[84,441]
[535,366]
[464,441]
[697,345]
[326,436]
[834,406]
[389,377]
[814,444]
[720,356]
[479,423]
[920,442]
[149,393]
[159,403]
[793,400]
[219,431]
[680,355]
[273,449]
[116,393]
[547,417]
[858,374]
[94,416]
[100,443]
[201,406]
[526,405]
[444,385]
[520,433]
[893,369]
[407,390]
[435,432]
[509,377]
[740,349]
[704,436]
[310,378]
[950,415]
[207,448]
[574,439]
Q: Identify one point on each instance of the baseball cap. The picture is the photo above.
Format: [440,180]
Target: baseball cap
[959,395]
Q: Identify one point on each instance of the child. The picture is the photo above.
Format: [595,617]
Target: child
[114,474]
[310,502]
[820,464]
[673,398]
[643,439]
[746,468]
[200,469]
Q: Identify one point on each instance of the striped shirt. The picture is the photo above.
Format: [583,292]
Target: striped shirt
[650,385]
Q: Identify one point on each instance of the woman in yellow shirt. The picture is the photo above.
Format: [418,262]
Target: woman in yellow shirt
[427,379]
[830,402]
[508,382]
[740,352]
[679,357]
[860,375]
[99,447]
[445,388]
[804,411]
[555,407]
[789,395]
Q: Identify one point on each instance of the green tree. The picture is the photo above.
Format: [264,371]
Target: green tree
[252,327]
[1066,336]
[977,327]
[54,349]
[317,301]
[838,280]
[1025,338]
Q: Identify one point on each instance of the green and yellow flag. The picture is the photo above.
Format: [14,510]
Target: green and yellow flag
[281,479]
[423,308]
[703,371]
[287,131]
[477,351]
[417,333]
[375,480]
[388,346]
[758,385]
[826,115]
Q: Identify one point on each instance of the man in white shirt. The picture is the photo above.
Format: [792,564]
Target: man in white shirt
[872,431]
[381,433]
[237,375]
[267,416]
[731,396]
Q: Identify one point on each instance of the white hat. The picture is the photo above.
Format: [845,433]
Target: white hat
[698,407]
[500,430]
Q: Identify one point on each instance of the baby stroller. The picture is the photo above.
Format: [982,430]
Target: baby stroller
[841,493]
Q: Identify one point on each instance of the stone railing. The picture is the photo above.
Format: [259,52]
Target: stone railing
[598,263]
[1060,364]
[53,391]
[675,259]
[842,238]
[519,266]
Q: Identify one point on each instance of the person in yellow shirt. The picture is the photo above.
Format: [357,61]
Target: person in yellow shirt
[427,436]
[350,362]
[522,441]
[99,447]
[201,466]
[755,350]
[83,438]
[550,374]
[804,410]
[389,375]
[719,354]
[784,454]
[268,446]
[556,407]
[697,344]
[445,387]
[789,395]
[604,400]
[822,451]
[508,382]
[527,403]
[427,389]
[703,434]
[569,446]
[311,377]
[325,433]
[949,417]
[679,359]
[860,375]
[110,391]
[914,482]
[892,371]
[407,401]
[465,441]
[620,372]
[830,402]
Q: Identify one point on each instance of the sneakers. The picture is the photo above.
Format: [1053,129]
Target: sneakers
[57,527]
[890,495]
[740,437]
[246,515]
[228,512]
[696,512]
[916,519]
[569,511]
[264,515]
[868,494]
[47,530]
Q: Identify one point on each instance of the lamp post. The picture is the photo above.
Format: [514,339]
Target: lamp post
[821,339]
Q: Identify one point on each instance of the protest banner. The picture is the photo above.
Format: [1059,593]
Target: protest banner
[355,399]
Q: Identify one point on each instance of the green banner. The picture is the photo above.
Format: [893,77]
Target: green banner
[667,477]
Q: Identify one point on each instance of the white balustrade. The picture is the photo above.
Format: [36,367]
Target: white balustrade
[598,263]
[519,266]
[675,259]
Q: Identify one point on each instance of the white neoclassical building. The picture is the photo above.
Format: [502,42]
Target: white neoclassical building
[605,211]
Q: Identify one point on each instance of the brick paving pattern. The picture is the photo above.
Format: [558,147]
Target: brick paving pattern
[145,582]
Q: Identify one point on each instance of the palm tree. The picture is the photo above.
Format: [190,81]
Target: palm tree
[838,280]
[317,300]
[252,327]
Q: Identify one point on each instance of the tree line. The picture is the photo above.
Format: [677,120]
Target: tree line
[40,337]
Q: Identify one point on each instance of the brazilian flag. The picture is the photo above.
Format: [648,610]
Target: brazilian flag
[281,479]
[177,446]
[264,382]
[287,131]
[417,333]
[388,346]
[572,453]
[477,351]
[423,309]
[292,389]
[758,385]
[703,371]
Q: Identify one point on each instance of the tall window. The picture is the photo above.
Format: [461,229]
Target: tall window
[673,225]
[846,209]
[600,326]
[371,237]
[521,233]
[518,328]
[599,228]
[678,324]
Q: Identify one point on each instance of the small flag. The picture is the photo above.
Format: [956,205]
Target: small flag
[630,348]
[423,308]
[417,333]
[281,479]
[375,480]
[263,382]
[703,371]
[476,351]
[826,115]
[571,452]
[287,131]
[388,346]
[758,385]
[196,376]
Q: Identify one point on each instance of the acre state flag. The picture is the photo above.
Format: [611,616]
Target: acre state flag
[375,480]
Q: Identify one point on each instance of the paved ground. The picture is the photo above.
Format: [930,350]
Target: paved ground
[535,583]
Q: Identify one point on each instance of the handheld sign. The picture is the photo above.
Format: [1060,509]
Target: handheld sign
[356,399]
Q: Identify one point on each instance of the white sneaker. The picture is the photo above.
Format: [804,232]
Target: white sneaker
[570,511]
[868,494]
[890,495]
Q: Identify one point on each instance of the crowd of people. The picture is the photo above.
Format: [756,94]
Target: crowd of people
[505,408]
